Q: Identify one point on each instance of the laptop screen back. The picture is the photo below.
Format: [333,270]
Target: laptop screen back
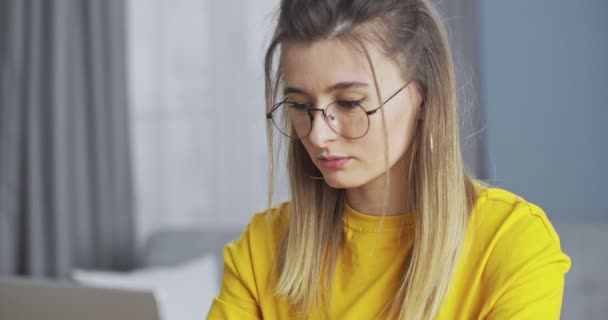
[24,299]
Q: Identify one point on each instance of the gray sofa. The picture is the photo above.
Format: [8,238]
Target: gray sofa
[586,291]
[172,246]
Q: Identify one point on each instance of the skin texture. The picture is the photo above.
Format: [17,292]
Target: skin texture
[312,68]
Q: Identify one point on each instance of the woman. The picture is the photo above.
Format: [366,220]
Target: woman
[383,221]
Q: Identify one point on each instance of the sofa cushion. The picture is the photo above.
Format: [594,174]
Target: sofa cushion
[586,289]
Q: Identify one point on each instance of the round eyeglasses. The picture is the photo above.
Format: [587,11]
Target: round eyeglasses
[346,118]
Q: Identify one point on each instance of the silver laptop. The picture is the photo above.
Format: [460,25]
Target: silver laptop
[24,299]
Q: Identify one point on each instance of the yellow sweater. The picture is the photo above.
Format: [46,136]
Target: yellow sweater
[514,268]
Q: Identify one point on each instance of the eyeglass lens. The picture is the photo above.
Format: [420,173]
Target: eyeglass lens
[346,118]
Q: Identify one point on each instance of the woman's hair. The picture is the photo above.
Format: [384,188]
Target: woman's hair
[410,33]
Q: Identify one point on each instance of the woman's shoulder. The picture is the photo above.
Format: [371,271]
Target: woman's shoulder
[513,250]
[271,220]
[263,232]
[503,222]
[248,261]
[497,208]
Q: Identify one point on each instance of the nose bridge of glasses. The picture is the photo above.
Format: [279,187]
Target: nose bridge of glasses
[324,121]
[312,110]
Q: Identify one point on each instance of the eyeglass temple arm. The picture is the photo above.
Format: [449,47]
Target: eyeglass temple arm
[387,100]
[275,107]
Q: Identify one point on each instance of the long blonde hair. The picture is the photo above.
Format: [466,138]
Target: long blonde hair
[442,193]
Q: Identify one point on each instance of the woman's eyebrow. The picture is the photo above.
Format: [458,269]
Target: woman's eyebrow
[334,87]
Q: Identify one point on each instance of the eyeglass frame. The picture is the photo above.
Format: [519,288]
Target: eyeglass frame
[311,110]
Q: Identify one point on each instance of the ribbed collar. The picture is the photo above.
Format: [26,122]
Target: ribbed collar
[361,222]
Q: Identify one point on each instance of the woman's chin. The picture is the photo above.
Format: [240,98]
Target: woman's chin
[338,181]
[335,184]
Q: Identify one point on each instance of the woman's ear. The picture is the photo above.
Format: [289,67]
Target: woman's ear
[418,101]
[420,94]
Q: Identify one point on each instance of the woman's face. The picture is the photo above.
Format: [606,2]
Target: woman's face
[325,71]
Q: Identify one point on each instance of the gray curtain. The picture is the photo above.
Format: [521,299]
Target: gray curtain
[65,176]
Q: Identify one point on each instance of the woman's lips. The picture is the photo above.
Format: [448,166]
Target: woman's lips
[334,162]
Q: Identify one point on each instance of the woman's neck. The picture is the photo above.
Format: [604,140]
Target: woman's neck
[369,198]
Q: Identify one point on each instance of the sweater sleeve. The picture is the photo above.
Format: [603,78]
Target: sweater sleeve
[238,297]
[526,268]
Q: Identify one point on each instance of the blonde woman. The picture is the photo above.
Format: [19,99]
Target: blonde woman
[383,221]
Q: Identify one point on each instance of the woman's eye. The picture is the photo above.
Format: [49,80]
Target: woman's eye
[299,106]
[349,103]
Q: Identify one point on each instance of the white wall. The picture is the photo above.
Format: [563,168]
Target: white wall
[196,91]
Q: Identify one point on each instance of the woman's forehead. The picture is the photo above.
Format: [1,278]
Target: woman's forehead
[319,64]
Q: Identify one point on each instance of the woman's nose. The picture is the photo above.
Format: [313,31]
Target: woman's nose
[320,133]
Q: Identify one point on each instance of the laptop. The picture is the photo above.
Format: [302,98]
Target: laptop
[27,299]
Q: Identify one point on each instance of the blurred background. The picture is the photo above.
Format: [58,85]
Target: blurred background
[132,133]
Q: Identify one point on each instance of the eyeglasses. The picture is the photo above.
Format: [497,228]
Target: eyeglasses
[346,118]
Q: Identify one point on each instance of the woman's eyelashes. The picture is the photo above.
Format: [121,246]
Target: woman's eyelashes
[350,103]
[345,103]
